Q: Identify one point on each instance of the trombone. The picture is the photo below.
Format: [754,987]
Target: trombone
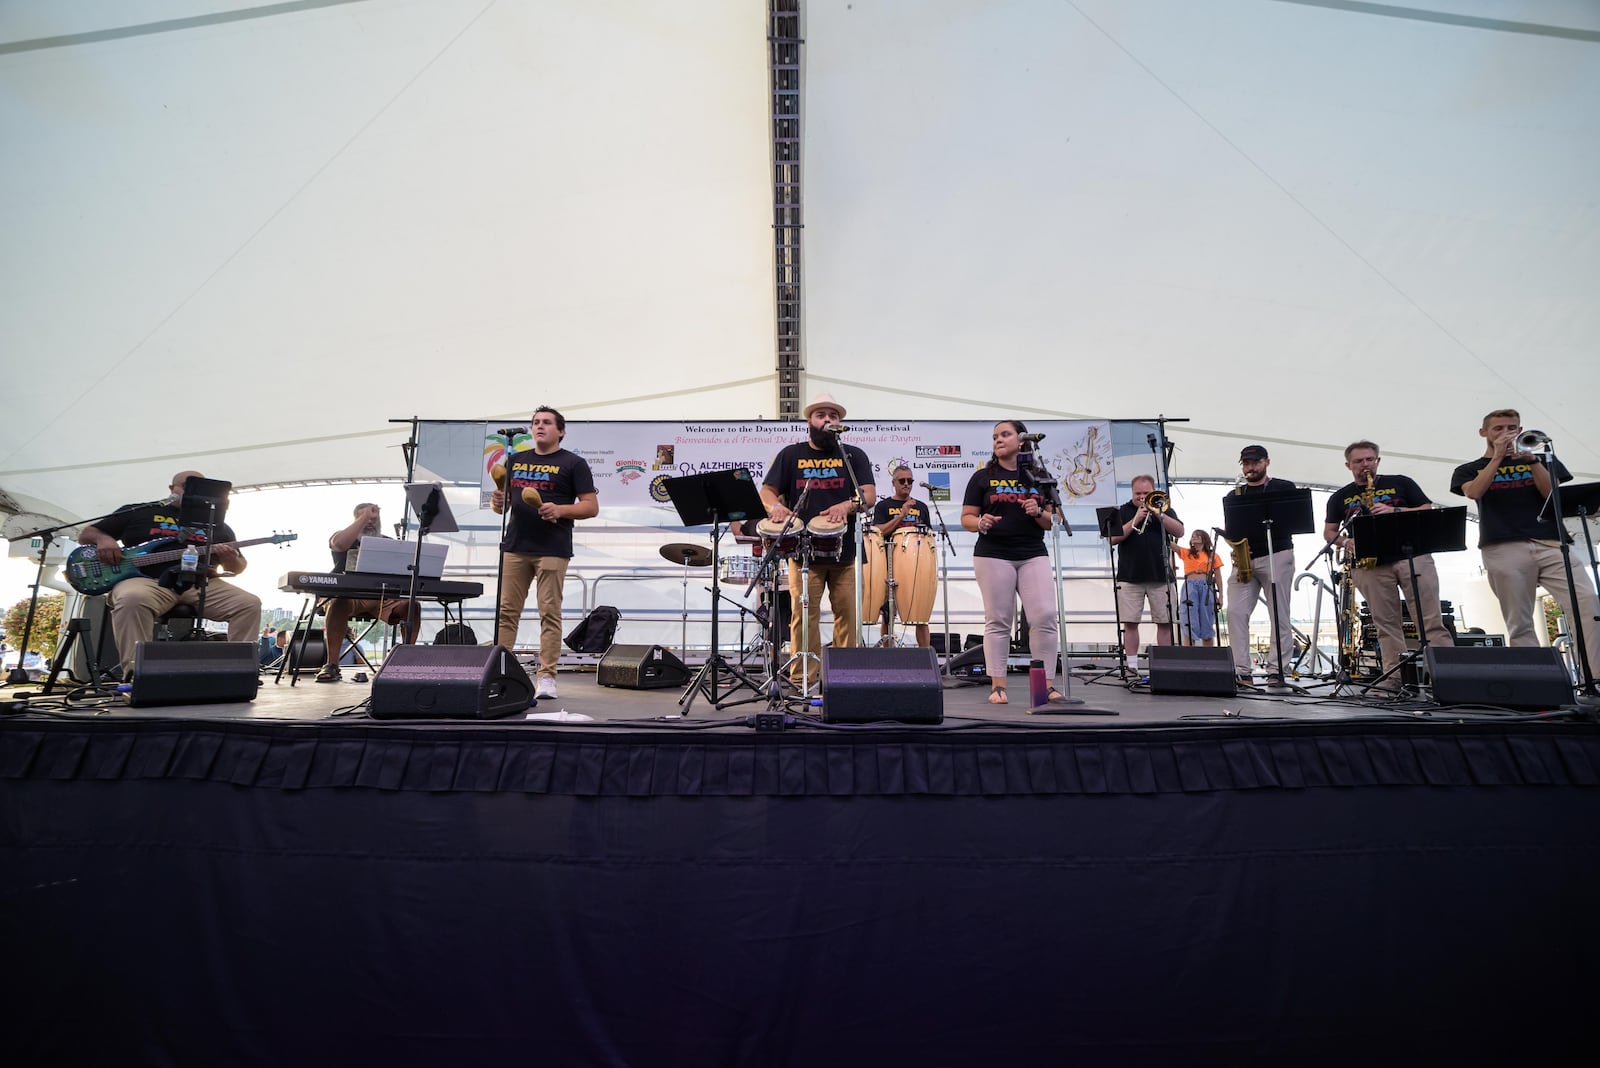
[1155,502]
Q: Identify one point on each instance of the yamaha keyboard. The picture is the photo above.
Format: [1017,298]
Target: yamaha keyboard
[333,584]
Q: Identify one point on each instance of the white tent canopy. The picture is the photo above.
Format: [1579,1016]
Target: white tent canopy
[243,237]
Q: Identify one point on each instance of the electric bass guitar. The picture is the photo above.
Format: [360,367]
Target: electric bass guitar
[89,576]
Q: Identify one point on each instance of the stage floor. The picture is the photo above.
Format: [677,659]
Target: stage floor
[1100,701]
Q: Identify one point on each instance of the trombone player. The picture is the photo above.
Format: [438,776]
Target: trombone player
[1383,579]
[1144,563]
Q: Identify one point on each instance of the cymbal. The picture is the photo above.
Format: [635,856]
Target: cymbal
[683,552]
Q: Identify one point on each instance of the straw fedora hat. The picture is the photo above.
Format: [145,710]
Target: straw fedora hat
[824,400]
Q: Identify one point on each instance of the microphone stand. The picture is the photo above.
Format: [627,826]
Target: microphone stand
[1036,473]
[856,534]
[505,519]
[944,576]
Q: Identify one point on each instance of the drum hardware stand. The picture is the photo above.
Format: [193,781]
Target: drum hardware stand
[715,497]
[772,690]
[886,613]
[689,556]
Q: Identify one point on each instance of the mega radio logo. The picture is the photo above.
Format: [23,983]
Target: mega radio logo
[938,450]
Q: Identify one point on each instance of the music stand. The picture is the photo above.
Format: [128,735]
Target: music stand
[1283,511]
[715,497]
[204,504]
[1109,521]
[1409,535]
[433,514]
[1586,496]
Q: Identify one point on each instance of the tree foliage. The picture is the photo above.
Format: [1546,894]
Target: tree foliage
[46,624]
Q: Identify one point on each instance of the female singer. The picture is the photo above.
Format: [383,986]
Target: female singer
[1202,573]
[1004,508]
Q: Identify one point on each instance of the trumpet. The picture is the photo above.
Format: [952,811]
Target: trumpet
[1155,501]
[1533,441]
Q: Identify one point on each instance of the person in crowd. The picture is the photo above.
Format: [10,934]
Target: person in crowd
[548,489]
[817,478]
[1010,515]
[138,600]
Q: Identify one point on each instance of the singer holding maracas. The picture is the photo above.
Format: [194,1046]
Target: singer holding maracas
[550,489]
[1006,510]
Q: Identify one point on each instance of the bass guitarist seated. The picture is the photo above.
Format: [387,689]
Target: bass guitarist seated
[138,600]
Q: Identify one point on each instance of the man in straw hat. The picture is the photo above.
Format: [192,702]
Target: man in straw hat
[820,468]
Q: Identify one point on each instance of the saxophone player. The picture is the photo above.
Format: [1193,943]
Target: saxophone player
[1247,585]
[1383,579]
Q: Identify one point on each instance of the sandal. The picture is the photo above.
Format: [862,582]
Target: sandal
[997,696]
[1054,695]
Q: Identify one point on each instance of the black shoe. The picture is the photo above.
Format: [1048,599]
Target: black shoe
[329,674]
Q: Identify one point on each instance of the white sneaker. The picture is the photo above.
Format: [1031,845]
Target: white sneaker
[546,687]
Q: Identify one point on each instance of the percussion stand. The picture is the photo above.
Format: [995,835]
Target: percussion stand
[767,574]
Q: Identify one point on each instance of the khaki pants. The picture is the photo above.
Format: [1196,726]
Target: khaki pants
[136,602]
[1382,586]
[548,574]
[840,582]
[1242,597]
[1517,569]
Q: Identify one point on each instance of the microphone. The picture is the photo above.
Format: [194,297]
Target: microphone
[507,431]
[1031,438]
[836,428]
[925,486]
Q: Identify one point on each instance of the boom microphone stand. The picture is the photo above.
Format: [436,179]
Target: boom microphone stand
[1032,470]
[944,576]
[503,484]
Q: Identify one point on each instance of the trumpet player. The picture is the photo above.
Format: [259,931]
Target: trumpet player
[548,489]
[1144,573]
[1383,579]
[1517,534]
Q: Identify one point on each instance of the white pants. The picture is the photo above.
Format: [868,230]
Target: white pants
[1242,598]
[1516,570]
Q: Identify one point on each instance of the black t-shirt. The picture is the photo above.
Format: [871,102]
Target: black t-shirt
[1258,534]
[561,477]
[1510,509]
[1142,557]
[1016,535]
[1397,491]
[135,524]
[912,511]
[799,465]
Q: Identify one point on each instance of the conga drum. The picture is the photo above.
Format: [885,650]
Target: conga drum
[874,575]
[916,575]
[827,539]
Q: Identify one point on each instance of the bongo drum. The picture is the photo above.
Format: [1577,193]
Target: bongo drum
[827,538]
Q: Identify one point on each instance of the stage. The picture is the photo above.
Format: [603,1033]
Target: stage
[1186,881]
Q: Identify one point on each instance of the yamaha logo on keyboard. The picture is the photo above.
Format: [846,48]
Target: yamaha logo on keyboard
[319,580]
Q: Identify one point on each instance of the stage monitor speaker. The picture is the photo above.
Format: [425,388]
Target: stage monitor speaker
[871,684]
[450,682]
[193,673]
[315,651]
[968,666]
[641,667]
[1199,670]
[1530,677]
[1478,641]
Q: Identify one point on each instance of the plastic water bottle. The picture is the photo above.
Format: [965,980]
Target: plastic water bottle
[350,558]
[1038,684]
[190,560]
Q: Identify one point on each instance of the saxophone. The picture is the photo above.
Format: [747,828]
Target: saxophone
[1368,495]
[1350,617]
[1239,550]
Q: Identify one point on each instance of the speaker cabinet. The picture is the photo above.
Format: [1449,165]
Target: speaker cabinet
[450,682]
[193,673]
[871,684]
[1530,677]
[968,665]
[1200,670]
[641,667]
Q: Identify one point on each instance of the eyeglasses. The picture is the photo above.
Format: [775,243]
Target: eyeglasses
[906,481]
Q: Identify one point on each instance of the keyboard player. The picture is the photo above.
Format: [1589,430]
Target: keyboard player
[368,523]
